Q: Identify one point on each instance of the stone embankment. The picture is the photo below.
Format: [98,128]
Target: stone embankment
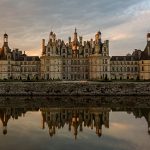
[74,88]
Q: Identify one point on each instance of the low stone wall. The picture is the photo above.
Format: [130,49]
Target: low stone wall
[75,88]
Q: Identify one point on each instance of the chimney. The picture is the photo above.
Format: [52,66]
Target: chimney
[43,46]
[80,40]
[69,40]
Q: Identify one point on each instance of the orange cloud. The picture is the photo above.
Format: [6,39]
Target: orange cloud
[33,52]
[119,36]
[119,126]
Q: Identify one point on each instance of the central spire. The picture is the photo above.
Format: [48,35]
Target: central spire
[75,35]
[75,41]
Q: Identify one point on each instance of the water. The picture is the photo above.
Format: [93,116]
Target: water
[64,123]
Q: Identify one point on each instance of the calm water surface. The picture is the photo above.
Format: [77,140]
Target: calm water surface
[74,123]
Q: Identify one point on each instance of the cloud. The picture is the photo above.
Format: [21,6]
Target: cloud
[119,36]
[35,52]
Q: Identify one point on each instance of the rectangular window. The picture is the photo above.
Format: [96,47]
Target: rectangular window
[47,68]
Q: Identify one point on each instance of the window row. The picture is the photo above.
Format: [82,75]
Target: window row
[125,69]
[124,62]
[26,63]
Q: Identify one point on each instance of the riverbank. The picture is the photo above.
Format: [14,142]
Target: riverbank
[60,88]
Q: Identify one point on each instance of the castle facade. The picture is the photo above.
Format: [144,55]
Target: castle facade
[76,60]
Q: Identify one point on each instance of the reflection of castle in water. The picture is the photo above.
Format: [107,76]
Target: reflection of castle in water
[75,119]
[143,113]
[8,113]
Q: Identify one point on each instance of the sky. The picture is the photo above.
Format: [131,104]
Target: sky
[124,22]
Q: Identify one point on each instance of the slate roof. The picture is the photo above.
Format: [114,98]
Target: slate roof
[28,58]
[124,58]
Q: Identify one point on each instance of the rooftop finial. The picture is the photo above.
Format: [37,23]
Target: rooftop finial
[75,30]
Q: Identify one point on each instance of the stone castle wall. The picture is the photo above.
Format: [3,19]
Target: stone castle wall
[75,88]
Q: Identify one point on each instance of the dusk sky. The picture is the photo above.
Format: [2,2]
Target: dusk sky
[124,22]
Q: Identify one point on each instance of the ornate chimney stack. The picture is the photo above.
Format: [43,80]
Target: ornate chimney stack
[69,40]
[43,46]
[80,38]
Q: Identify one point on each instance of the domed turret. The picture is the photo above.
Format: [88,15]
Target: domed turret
[5,49]
[98,37]
[99,32]
[4,131]
[5,34]
[148,37]
[5,38]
